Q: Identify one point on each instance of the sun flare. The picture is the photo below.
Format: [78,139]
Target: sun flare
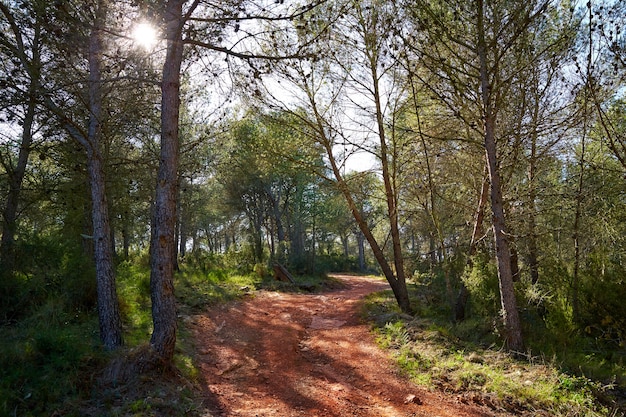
[145,35]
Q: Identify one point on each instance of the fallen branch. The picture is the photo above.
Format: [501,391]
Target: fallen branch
[281,273]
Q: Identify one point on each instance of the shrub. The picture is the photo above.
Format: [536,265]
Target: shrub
[482,283]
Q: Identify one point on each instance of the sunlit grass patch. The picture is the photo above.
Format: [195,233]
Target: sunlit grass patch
[52,362]
[197,289]
[133,290]
[438,356]
[302,283]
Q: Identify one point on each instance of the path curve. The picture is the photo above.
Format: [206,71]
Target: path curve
[283,355]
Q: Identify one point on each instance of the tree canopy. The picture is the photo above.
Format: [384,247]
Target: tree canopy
[480,143]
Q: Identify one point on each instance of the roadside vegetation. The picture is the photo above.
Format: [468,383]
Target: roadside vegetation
[51,359]
[476,149]
[563,372]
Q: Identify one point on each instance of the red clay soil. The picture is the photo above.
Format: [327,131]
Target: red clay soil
[282,355]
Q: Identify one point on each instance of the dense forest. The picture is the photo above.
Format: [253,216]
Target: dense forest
[472,152]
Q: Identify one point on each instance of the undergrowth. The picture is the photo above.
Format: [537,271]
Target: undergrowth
[51,360]
[468,360]
[46,360]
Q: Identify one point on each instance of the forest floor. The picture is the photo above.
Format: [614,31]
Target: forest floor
[289,354]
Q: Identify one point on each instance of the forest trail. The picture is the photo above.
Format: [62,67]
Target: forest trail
[283,355]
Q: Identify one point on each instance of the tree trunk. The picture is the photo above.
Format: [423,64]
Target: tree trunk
[432,251]
[510,313]
[16,175]
[182,240]
[345,244]
[576,232]
[177,225]
[515,274]
[360,238]
[282,274]
[16,178]
[280,228]
[256,217]
[512,324]
[108,305]
[581,179]
[125,240]
[163,244]
[533,263]
[398,286]
[391,197]
[396,279]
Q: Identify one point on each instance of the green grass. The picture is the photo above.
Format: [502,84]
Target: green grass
[51,359]
[133,291]
[196,289]
[440,355]
[44,361]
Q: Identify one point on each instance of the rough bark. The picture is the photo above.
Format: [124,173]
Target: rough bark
[511,320]
[163,244]
[108,306]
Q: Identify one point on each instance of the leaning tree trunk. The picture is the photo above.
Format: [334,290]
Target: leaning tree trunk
[398,286]
[398,283]
[512,324]
[396,279]
[163,244]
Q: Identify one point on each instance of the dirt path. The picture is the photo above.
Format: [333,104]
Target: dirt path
[282,355]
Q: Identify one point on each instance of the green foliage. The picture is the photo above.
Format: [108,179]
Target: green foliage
[133,290]
[50,344]
[241,260]
[336,262]
[51,355]
[47,269]
[197,290]
[603,292]
[46,360]
[438,354]
[482,283]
